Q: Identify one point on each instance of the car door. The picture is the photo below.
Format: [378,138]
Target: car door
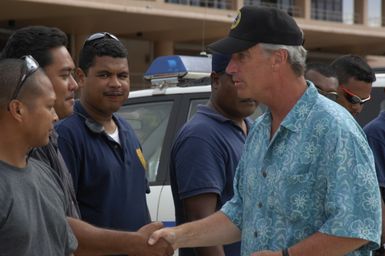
[156,120]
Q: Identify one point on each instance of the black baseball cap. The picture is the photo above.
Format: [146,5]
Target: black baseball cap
[259,25]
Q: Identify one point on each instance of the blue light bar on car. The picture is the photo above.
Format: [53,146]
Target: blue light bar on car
[177,66]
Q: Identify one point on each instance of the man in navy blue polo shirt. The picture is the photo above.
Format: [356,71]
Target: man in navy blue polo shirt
[100,149]
[205,155]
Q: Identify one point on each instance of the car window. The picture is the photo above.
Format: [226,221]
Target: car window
[195,102]
[194,105]
[149,120]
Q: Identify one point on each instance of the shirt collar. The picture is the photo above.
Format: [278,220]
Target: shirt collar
[301,110]
[78,108]
[208,111]
[299,113]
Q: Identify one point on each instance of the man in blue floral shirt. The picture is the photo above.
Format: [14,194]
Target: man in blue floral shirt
[306,183]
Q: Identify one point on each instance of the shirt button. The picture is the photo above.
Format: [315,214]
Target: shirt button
[259,205]
[264,174]
[256,233]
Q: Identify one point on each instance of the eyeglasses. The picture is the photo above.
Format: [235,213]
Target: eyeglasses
[29,68]
[352,98]
[330,95]
[100,35]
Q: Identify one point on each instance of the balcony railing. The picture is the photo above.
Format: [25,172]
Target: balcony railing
[218,4]
[291,9]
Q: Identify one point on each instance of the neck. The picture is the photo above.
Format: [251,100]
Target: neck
[286,95]
[239,121]
[102,118]
[13,151]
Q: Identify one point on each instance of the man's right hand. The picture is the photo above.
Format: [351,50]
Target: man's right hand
[160,248]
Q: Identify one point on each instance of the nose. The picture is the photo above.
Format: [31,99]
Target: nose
[55,117]
[231,67]
[73,85]
[357,108]
[115,82]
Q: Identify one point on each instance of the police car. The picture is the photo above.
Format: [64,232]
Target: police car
[180,83]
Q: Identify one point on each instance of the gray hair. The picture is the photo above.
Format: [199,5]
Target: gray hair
[297,55]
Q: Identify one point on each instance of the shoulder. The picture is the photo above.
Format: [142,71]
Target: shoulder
[124,126]
[376,127]
[68,122]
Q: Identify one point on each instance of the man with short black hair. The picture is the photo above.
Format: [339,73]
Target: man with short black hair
[32,212]
[100,148]
[355,78]
[215,136]
[305,184]
[324,79]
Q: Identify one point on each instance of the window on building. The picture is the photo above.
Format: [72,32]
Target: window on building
[330,10]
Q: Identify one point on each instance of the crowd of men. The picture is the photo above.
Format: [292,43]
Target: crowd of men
[303,179]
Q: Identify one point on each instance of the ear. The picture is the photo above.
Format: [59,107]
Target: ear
[279,57]
[81,77]
[214,80]
[16,109]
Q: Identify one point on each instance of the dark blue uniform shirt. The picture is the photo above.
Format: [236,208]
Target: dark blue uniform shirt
[109,179]
[375,133]
[203,160]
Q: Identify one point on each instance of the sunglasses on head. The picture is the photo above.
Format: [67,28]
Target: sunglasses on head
[352,98]
[30,67]
[330,95]
[100,35]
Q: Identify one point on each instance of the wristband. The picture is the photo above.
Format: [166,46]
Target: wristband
[285,252]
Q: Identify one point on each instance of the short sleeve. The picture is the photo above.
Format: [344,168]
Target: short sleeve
[352,202]
[233,209]
[199,168]
[378,148]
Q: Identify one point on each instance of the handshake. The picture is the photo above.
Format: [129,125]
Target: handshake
[148,246]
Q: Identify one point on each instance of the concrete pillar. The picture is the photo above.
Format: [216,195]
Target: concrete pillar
[361,12]
[237,4]
[164,47]
[76,44]
[382,12]
[305,8]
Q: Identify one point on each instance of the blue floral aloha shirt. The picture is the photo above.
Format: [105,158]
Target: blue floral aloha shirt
[316,174]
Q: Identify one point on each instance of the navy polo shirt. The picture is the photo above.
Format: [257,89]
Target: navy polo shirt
[375,133]
[109,179]
[204,158]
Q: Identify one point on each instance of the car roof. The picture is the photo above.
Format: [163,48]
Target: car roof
[380,80]
[169,91]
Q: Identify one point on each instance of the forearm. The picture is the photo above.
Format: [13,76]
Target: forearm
[320,244]
[97,241]
[213,230]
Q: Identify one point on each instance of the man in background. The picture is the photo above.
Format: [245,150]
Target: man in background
[215,137]
[355,78]
[324,79]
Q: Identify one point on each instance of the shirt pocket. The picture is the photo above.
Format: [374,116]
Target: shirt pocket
[294,195]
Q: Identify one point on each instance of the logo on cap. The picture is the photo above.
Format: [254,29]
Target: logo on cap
[236,21]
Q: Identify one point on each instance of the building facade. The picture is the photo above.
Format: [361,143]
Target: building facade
[151,28]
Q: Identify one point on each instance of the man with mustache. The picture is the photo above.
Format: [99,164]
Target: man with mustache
[100,148]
